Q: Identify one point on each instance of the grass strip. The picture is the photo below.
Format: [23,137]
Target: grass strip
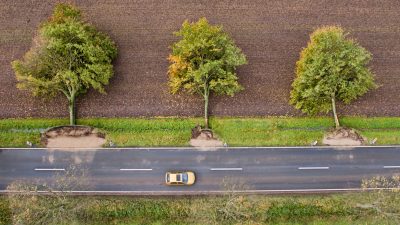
[229,209]
[236,131]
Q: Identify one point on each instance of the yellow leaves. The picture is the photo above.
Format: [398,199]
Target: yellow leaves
[336,30]
[175,70]
[174,85]
[177,65]
[64,11]
[202,61]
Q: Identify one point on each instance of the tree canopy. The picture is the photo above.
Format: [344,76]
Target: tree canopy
[204,60]
[332,67]
[68,56]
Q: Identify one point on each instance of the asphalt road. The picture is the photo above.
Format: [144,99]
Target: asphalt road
[264,170]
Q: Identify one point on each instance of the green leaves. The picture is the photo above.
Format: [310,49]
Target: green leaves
[332,66]
[63,12]
[204,58]
[67,56]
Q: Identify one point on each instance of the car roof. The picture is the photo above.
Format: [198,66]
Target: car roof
[173,177]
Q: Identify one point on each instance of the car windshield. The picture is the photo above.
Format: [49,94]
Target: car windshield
[178,177]
[185,177]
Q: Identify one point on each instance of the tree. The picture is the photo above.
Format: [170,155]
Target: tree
[331,68]
[204,60]
[68,56]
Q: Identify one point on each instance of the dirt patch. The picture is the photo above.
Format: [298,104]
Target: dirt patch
[343,137]
[90,141]
[73,137]
[211,143]
[204,138]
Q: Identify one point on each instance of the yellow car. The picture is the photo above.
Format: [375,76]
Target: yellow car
[180,178]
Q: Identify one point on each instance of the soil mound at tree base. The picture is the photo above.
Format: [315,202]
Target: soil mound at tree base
[90,141]
[211,143]
[73,137]
[204,138]
[343,137]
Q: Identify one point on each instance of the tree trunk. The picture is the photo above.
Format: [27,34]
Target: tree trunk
[72,119]
[206,95]
[337,124]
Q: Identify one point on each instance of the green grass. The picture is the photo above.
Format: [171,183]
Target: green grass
[146,132]
[15,132]
[5,211]
[262,131]
[260,209]
[274,131]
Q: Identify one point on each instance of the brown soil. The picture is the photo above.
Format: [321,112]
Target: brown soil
[211,143]
[270,33]
[90,141]
[204,139]
[73,137]
[343,137]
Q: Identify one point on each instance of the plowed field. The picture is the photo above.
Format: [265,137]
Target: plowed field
[270,32]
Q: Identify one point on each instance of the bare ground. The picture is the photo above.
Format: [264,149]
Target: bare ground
[73,137]
[343,137]
[205,143]
[204,138]
[90,141]
[270,33]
